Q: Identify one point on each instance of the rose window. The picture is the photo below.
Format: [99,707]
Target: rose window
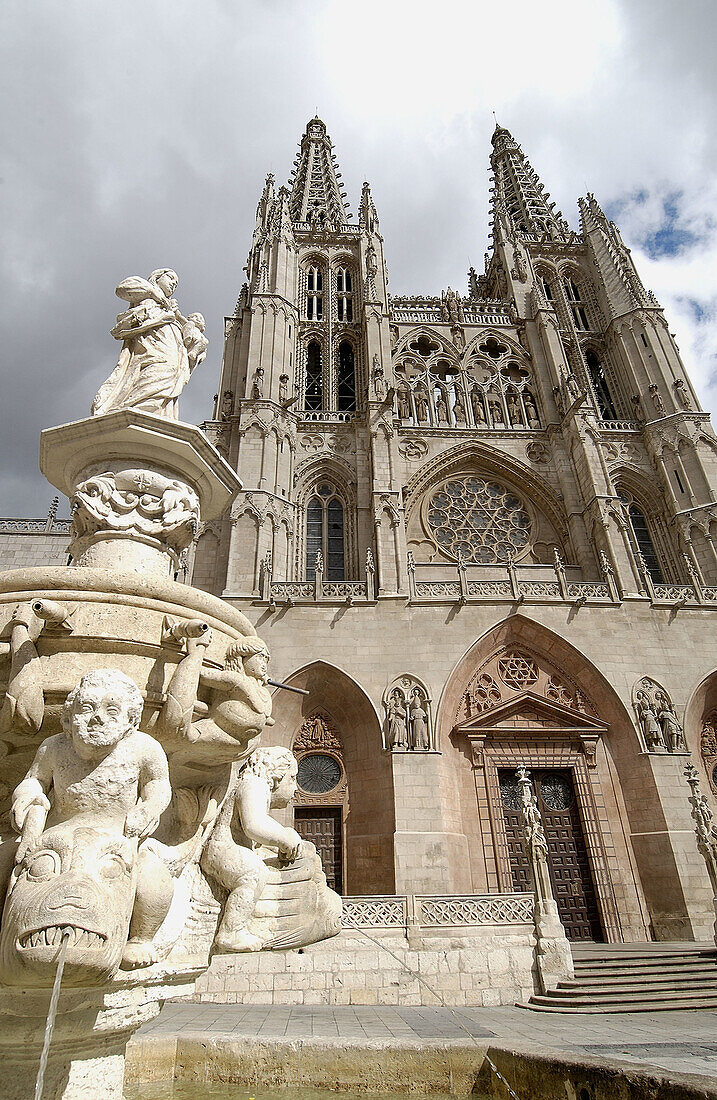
[556,791]
[318,773]
[480,521]
[517,671]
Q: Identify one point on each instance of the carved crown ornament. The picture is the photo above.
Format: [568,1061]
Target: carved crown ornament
[136,502]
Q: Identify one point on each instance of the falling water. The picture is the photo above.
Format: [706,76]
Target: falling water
[439,998]
[51,1013]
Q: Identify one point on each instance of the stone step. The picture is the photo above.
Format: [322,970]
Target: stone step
[628,989]
[647,958]
[658,973]
[637,981]
[545,1004]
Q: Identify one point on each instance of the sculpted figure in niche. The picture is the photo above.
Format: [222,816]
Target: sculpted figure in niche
[670,726]
[397,737]
[283,388]
[404,402]
[477,406]
[496,413]
[155,362]
[239,705]
[531,412]
[420,399]
[100,776]
[514,414]
[650,725]
[257,388]
[459,410]
[227,410]
[266,781]
[419,721]
[441,408]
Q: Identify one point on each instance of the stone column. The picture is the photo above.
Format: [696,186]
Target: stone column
[553,955]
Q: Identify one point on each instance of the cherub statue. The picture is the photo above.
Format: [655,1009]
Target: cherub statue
[266,781]
[101,774]
[238,709]
[156,361]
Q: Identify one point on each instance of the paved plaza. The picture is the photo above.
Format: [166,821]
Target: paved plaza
[679,1042]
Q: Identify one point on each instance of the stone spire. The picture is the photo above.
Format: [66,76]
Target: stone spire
[316,194]
[518,197]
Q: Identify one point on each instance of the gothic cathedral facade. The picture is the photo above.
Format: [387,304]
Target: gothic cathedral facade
[479,529]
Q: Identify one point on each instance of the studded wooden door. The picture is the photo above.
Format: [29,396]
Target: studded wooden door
[322,826]
[567,854]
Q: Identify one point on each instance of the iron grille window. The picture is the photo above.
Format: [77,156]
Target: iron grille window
[346,381]
[325,533]
[600,386]
[580,317]
[644,542]
[314,382]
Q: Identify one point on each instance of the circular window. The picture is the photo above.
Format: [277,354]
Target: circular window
[481,521]
[556,791]
[318,773]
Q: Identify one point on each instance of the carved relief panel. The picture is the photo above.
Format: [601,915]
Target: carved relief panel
[322,776]
[708,747]
[657,720]
[408,722]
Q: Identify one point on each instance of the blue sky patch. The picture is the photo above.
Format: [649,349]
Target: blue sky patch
[666,239]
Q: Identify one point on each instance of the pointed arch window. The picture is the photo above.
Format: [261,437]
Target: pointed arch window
[346,377]
[325,533]
[644,542]
[577,306]
[344,296]
[313,387]
[314,294]
[600,386]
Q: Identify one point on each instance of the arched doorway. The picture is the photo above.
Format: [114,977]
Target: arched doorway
[335,729]
[522,695]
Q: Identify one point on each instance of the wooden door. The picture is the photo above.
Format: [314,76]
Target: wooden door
[568,862]
[322,826]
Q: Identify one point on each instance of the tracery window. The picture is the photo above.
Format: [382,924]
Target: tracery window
[577,307]
[346,378]
[314,294]
[600,386]
[313,386]
[644,542]
[479,520]
[325,533]
[344,296]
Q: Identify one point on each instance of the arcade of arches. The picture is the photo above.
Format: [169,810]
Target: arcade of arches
[446,820]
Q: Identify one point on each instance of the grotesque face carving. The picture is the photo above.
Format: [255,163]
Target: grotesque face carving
[102,709]
[80,880]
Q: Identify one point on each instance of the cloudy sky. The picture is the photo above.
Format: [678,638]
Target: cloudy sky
[137,135]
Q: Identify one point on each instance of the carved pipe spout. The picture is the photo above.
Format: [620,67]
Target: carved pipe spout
[174,631]
[56,615]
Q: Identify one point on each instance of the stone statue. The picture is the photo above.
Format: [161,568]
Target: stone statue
[160,347]
[682,393]
[227,409]
[514,414]
[379,383]
[404,403]
[441,408]
[283,388]
[477,406]
[420,400]
[257,388]
[266,781]
[496,412]
[531,411]
[657,399]
[671,729]
[419,722]
[459,410]
[397,737]
[239,706]
[650,725]
[23,707]
[101,785]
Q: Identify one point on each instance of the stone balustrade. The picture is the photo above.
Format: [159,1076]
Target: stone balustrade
[426,911]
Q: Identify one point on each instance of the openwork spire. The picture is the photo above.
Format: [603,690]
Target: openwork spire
[316,195]
[518,196]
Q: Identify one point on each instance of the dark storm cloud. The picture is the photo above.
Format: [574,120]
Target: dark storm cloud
[138,135]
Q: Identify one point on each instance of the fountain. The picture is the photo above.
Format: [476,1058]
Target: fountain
[136,836]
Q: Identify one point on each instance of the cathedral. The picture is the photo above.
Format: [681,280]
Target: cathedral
[478,529]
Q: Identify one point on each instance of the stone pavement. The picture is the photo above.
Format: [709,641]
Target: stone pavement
[681,1042]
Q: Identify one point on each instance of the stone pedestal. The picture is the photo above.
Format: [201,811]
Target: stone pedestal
[91,1032]
[137,485]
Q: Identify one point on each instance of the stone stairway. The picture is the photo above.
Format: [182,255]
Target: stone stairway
[636,977]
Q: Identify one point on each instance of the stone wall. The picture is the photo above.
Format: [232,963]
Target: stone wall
[482,966]
[23,549]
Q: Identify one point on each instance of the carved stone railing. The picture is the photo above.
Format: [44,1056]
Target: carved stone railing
[307,591]
[669,592]
[35,527]
[437,910]
[321,417]
[294,590]
[445,910]
[518,584]
[432,310]
[620,426]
